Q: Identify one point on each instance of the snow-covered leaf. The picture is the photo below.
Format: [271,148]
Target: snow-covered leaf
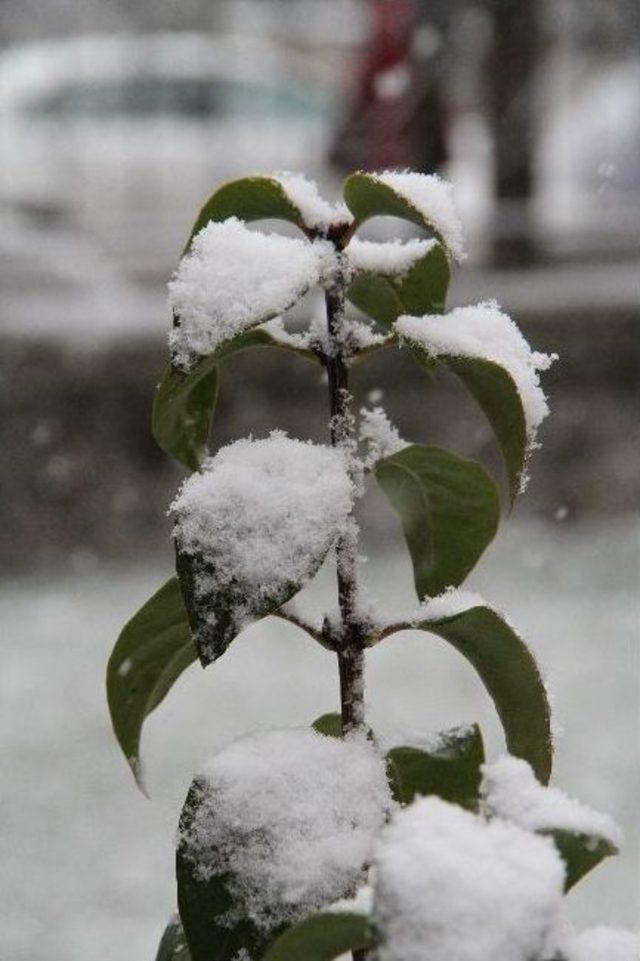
[173,946]
[583,837]
[184,403]
[449,508]
[422,199]
[232,280]
[252,527]
[486,350]
[448,884]
[451,769]
[323,937]
[421,289]
[495,391]
[276,827]
[508,671]
[152,651]
[205,901]
[217,614]
[249,199]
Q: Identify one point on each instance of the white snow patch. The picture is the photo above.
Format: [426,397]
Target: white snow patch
[450,885]
[602,944]
[355,335]
[451,602]
[263,513]
[392,259]
[434,742]
[317,213]
[432,197]
[483,331]
[231,280]
[379,434]
[510,791]
[298,339]
[292,815]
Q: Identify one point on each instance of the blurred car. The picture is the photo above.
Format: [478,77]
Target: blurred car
[123,136]
[59,287]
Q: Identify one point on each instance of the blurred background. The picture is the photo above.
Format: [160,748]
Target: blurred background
[116,120]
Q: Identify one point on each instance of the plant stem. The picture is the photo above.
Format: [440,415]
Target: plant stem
[350,643]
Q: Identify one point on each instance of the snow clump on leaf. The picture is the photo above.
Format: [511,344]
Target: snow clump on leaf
[290,817]
[233,279]
[450,885]
[432,197]
[263,514]
[510,791]
[484,332]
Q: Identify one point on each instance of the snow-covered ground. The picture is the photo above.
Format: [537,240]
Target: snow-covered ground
[87,861]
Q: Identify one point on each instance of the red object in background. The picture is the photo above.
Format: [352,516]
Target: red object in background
[384,125]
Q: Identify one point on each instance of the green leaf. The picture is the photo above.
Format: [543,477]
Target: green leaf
[250,198]
[204,901]
[323,937]
[183,409]
[511,676]
[449,508]
[367,197]
[184,403]
[580,853]
[451,769]
[152,651]
[422,290]
[328,724]
[375,296]
[231,606]
[495,391]
[173,946]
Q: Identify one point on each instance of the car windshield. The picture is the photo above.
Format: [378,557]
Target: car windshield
[149,96]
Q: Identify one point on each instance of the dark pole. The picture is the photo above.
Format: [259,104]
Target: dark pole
[512,105]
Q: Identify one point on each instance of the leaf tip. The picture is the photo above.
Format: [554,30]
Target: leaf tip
[139,774]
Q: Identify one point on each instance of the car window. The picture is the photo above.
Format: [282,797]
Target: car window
[132,97]
[144,97]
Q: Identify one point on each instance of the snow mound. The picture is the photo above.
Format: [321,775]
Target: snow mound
[510,791]
[450,885]
[485,332]
[433,198]
[392,259]
[602,944]
[264,513]
[231,280]
[292,815]
[317,213]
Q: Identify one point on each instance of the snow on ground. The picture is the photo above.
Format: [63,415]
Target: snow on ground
[88,862]
[603,943]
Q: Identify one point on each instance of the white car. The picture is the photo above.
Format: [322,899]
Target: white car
[123,137]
